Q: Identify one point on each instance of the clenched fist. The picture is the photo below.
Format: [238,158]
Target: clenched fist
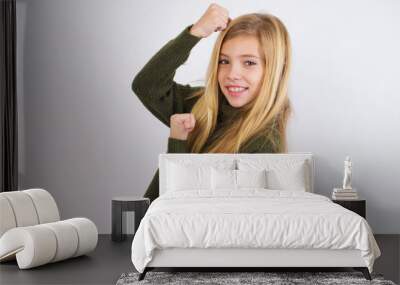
[216,18]
[181,125]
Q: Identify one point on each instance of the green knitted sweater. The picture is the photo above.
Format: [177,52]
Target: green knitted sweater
[162,96]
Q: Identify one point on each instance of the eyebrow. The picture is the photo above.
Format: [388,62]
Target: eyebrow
[243,55]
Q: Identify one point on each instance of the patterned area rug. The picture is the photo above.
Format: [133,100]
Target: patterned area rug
[270,278]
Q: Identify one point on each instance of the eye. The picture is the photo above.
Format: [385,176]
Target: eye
[250,62]
[221,61]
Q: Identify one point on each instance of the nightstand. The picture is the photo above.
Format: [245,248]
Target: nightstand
[357,206]
[119,205]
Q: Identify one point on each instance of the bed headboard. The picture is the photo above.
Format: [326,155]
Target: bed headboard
[212,158]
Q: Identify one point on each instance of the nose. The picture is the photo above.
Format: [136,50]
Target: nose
[234,72]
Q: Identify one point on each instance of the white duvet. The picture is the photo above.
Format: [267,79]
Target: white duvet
[250,218]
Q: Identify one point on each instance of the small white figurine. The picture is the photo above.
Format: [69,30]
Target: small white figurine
[347,174]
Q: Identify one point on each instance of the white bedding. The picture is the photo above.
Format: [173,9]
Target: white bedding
[250,218]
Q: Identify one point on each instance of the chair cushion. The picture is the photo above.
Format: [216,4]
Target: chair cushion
[45,205]
[27,208]
[23,208]
[7,215]
[40,244]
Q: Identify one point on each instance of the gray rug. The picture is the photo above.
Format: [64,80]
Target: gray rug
[270,278]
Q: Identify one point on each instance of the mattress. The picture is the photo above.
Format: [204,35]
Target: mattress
[253,218]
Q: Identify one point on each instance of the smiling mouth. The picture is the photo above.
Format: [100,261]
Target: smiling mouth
[236,91]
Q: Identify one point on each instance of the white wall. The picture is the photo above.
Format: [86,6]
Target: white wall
[85,137]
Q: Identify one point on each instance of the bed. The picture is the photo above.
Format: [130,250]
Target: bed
[247,210]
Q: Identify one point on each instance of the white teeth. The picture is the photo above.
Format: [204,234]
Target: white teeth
[236,89]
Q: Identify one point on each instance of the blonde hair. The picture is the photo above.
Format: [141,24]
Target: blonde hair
[267,114]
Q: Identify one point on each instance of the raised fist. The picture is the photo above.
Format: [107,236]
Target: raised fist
[216,18]
[181,125]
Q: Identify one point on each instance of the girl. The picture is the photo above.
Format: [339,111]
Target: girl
[244,106]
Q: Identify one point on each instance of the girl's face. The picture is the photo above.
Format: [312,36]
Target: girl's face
[240,69]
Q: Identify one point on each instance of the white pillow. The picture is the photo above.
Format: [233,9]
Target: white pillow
[288,179]
[251,178]
[187,177]
[282,174]
[223,179]
[236,179]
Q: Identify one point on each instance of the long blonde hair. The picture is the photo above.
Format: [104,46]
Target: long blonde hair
[268,113]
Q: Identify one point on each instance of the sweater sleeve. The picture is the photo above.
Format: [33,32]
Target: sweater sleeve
[177,146]
[154,84]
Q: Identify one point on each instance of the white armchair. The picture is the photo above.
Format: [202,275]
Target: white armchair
[31,231]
